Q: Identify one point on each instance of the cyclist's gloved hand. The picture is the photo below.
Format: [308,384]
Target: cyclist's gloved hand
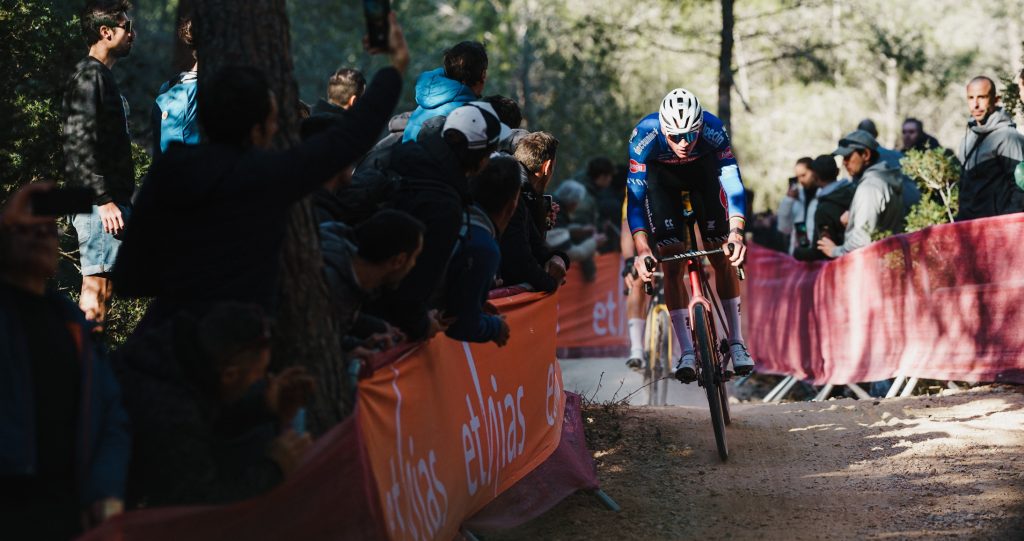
[640,268]
[738,251]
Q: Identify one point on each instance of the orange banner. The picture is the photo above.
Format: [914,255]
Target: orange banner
[592,315]
[451,425]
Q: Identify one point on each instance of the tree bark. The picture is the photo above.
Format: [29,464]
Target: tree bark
[256,33]
[725,80]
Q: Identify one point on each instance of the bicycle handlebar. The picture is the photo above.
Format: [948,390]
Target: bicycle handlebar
[651,263]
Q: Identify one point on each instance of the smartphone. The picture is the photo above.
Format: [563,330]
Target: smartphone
[299,421]
[801,234]
[63,201]
[377,27]
[792,181]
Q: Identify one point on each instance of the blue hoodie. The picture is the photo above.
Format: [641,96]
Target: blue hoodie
[436,95]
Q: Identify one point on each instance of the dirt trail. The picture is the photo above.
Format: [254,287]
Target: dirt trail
[924,467]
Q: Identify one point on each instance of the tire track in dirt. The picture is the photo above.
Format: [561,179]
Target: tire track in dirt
[923,467]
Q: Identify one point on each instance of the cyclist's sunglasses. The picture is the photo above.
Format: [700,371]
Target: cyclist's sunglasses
[688,137]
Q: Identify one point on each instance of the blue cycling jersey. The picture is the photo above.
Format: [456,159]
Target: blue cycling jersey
[647,145]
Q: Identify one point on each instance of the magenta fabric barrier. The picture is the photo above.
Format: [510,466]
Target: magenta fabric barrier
[330,497]
[568,469]
[941,303]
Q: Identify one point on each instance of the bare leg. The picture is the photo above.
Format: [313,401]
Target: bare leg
[97,292]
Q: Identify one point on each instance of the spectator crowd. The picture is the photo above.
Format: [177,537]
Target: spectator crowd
[419,216]
[416,227]
[821,217]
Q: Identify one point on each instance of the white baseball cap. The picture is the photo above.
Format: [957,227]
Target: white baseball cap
[479,123]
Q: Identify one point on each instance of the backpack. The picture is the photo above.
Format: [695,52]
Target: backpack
[372,189]
[176,104]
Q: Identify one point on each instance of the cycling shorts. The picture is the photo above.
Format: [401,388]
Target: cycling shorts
[664,209]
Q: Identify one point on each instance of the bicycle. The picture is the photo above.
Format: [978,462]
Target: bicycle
[657,340]
[712,353]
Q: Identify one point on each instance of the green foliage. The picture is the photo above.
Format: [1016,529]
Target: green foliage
[937,172]
[927,213]
[40,50]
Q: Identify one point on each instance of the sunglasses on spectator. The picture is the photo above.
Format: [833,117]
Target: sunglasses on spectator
[689,137]
[126,25]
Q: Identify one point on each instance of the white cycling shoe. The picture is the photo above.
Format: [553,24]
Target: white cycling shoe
[685,370]
[742,364]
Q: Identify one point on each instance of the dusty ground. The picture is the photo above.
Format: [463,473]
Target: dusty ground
[924,467]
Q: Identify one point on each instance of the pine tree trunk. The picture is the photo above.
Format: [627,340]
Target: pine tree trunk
[725,65]
[256,33]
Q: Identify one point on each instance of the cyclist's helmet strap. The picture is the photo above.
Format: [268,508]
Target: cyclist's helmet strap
[681,112]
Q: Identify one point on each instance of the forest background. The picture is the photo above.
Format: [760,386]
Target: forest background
[797,74]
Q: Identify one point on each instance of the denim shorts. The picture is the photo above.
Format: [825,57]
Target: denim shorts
[97,250]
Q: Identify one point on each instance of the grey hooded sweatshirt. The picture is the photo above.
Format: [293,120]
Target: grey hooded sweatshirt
[989,153]
[877,206]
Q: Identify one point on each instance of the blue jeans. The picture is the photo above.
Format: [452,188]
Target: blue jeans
[97,249]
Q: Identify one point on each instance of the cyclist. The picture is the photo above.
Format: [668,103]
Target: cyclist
[636,300]
[680,148]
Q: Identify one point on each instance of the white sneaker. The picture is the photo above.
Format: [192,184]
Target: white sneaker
[742,364]
[685,370]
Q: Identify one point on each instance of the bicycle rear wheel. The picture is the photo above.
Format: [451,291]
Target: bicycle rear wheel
[658,328]
[710,378]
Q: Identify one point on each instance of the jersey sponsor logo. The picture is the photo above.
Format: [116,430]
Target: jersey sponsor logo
[726,154]
[637,167]
[633,135]
[670,224]
[672,159]
[722,198]
[713,136]
[642,145]
[671,241]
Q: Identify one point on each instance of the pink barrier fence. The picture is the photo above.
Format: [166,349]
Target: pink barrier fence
[334,494]
[942,303]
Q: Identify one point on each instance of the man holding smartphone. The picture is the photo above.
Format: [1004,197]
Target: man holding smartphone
[97,148]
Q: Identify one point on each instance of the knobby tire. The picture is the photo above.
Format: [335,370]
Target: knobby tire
[710,377]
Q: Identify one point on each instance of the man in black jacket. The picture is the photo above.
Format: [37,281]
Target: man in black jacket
[210,220]
[435,190]
[525,257]
[97,148]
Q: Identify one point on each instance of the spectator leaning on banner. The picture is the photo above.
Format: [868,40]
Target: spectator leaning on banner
[877,204]
[525,257]
[473,267]
[97,149]
[832,200]
[435,172]
[361,262]
[206,417]
[238,193]
[441,91]
[989,153]
[64,442]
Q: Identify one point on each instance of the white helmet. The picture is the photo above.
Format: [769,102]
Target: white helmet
[681,112]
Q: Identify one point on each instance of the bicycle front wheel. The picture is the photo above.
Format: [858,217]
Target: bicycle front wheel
[710,378]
